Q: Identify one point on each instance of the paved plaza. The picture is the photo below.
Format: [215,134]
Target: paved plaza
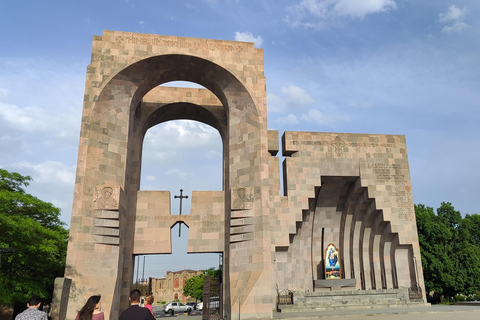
[434,312]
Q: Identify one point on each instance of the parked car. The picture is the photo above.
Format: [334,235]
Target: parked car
[177,307]
[193,305]
[214,303]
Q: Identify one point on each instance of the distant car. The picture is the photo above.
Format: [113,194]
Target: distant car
[214,303]
[177,307]
[193,305]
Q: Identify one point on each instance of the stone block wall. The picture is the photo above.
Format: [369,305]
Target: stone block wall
[349,189]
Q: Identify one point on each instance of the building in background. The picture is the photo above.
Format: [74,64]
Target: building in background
[171,286]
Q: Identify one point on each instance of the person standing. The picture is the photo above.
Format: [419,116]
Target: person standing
[91,310]
[148,303]
[135,312]
[32,312]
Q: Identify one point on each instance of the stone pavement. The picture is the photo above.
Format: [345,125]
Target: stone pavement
[467,311]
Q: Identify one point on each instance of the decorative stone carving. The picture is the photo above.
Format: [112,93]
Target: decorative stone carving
[242,198]
[106,198]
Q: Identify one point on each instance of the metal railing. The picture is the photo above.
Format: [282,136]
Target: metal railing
[284,297]
[212,298]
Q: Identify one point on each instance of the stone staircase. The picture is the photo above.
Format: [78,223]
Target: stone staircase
[349,299]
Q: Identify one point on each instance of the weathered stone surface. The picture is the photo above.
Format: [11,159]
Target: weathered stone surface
[352,190]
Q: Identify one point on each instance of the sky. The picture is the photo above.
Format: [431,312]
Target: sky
[404,67]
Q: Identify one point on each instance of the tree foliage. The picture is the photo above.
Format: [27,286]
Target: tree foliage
[194,286]
[450,249]
[35,240]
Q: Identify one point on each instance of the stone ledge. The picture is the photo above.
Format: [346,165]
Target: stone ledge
[335,283]
[107,240]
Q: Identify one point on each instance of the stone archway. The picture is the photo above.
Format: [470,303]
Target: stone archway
[115,118]
[363,177]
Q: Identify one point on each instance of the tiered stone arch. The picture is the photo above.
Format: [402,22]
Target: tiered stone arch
[349,198]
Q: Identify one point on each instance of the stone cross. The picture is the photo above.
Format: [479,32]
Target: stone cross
[181,197]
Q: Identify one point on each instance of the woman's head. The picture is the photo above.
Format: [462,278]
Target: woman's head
[149,299]
[92,303]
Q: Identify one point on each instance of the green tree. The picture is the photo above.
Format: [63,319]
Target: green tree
[450,249]
[194,285]
[469,253]
[35,238]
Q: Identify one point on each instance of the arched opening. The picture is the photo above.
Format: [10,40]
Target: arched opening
[123,100]
[179,155]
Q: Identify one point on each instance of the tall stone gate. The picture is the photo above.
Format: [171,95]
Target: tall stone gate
[348,193]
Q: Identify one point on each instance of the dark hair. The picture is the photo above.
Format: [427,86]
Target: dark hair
[86,312]
[135,295]
[34,301]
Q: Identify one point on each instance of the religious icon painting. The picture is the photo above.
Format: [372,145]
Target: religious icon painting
[332,262]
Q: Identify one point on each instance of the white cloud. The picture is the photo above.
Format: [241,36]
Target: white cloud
[293,97]
[150,178]
[248,37]
[291,119]
[317,14]
[28,119]
[159,156]
[317,117]
[181,134]
[178,173]
[453,19]
[173,143]
[53,171]
[33,119]
[453,14]
[456,27]
[359,9]
[52,181]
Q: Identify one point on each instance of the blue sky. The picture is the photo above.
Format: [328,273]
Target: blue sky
[374,66]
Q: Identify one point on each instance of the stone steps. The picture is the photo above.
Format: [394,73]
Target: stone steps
[297,309]
[353,299]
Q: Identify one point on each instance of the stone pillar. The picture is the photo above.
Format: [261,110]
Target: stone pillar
[60,298]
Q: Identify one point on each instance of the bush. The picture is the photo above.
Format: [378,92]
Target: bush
[460,297]
[473,297]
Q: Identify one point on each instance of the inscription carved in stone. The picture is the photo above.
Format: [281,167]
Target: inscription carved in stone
[203,45]
[388,172]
